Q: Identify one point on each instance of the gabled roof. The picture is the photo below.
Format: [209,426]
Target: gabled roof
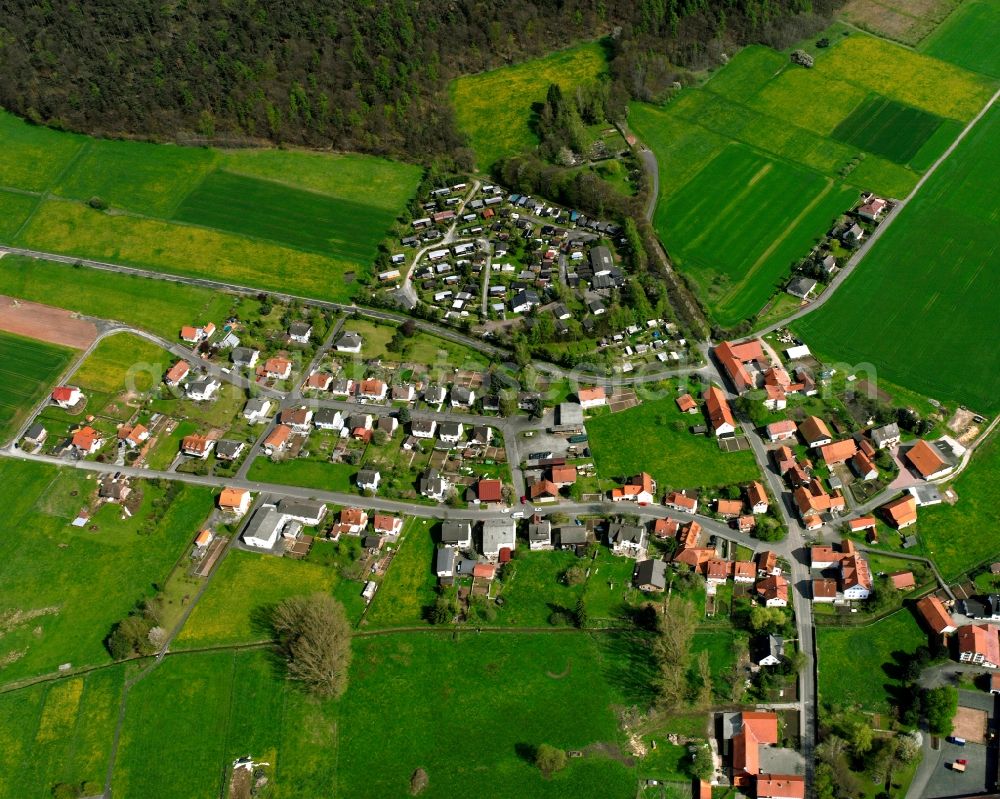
[838,451]
[902,511]
[756,494]
[926,459]
[814,429]
[717,406]
[935,614]
[489,490]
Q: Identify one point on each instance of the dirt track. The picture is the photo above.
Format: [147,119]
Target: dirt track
[45,323]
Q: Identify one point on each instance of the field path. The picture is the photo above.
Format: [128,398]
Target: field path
[866,247]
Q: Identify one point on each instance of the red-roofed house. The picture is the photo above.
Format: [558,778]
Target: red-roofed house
[862,523]
[373,389]
[592,397]
[732,358]
[780,786]
[767,563]
[679,500]
[719,413]
[774,591]
[863,467]
[686,404]
[928,462]
[872,209]
[729,508]
[903,581]
[641,489]
[717,571]
[781,430]
[838,451]
[814,432]
[176,373]
[936,616]
[666,528]
[979,644]
[87,440]
[744,571]
[66,396]
[278,368]
[563,475]
[277,439]
[489,490]
[824,590]
[388,525]
[901,512]
[757,498]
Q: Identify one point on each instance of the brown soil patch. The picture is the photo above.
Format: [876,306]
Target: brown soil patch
[45,323]
[970,724]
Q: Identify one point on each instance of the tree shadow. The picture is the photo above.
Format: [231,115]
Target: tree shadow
[262,620]
[629,666]
[527,752]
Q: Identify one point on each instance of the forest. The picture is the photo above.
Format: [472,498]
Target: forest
[366,76]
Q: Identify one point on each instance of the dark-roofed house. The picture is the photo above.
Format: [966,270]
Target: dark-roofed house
[308,511]
[228,450]
[627,539]
[433,485]
[456,533]
[540,534]
[650,575]
[444,562]
[368,479]
[769,650]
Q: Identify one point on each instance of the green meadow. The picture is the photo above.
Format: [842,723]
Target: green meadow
[937,263]
[754,169]
[494,109]
[119,360]
[64,587]
[304,223]
[28,368]
[654,438]
[968,38]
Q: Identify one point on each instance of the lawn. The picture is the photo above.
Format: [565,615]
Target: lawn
[963,535]
[409,585]
[28,368]
[306,473]
[159,306]
[888,128]
[494,109]
[422,695]
[122,361]
[58,732]
[70,585]
[305,223]
[647,438]
[246,586]
[919,341]
[14,211]
[968,38]
[869,654]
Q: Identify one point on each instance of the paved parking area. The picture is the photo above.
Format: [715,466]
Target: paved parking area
[945,781]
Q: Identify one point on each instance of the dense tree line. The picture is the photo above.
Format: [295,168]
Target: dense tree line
[367,76]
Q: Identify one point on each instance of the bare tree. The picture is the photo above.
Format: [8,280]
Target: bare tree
[314,636]
[672,649]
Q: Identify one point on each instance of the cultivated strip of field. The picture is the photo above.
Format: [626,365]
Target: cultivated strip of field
[28,368]
[921,307]
[968,38]
[304,223]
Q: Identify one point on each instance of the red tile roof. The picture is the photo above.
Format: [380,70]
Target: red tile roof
[903,580]
[591,394]
[838,451]
[62,393]
[925,458]
[814,429]
[902,511]
[686,403]
[785,786]
[489,490]
[935,614]
[980,639]
[563,474]
[733,356]
[717,405]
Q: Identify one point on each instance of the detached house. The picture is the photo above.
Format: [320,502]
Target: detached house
[757,498]
[679,500]
[278,368]
[979,644]
[277,440]
[256,410]
[66,396]
[368,479]
[423,428]
[592,397]
[450,432]
[641,489]
[300,332]
[244,357]
[838,451]
[373,389]
[456,533]
[936,616]
[720,415]
[298,419]
[650,575]
[814,432]
[627,539]
[498,534]
[886,436]
[462,397]
[234,500]
[901,513]
[349,342]
[202,390]
[197,446]
[86,441]
[773,591]
[781,430]
[433,486]
[927,460]
[539,534]
[177,373]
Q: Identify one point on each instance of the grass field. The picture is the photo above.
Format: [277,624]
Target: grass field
[300,222]
[868,655]
[920,340]
[28,368]
[963,535]
[753,167]
[158,306]
[305,473]
[647,438]
[235,608]
[968,38]
[494,109]
[122,361]
[409,586]
[58,732]
[68,585]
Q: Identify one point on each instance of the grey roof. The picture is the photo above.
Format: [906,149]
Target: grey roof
[301,508]
[243,355]
[340,385]
[325,417]
[199,386]
[571,535]
[368,476]
[624,533]
[371,541]
[540,531]
[35,432]
[450,429]
[461,394]
[256,405]
[800,286]
[885,433]
[299,328]
[455,531]
[651,572]
[349,340]
[226,448]
[600,258]
[434,394]
[423,425]
[497,532]
[264,522]
[570,413]
[444,560]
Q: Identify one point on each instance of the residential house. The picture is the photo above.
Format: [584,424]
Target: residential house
[720,416]
[769,650]
[781,430]
[36,435]
[328,419]
[592,397]
[744,571]
[863,467]
[114,488]
[202,390]
[86,441]
[388,425]
[717,571]
[680,501]
[203,539]
[936,616]
[862,523]
[244,357]
[256,410]
[319,381]
[563,475]
[543,491]
[686,404]
[229,450]
[234,500]
[195,335]
[444,562]
[838,451]
[814,432]
[903,581]
[539,533]
[733,359]
[197,446]
[498,534]
[133,436]
[886,436]
[801,287]
[353,521]
[853,235]
[824,589]
[901,513]
[979,644]
[462,397]
[773,591]
[767,563]
[855,575]
[68,396]
[368,479]
[403,393]
[176,373]
[650,575]
[300,332]
[305,511]
[349,342]
[781,786]
[433,485]
[641,488]
[434,395]
[277,440]
[746,523]
[278,368]
[873,208]
[298,419]
[387,525]
[450,432]
[729,508]
[757,498]
[627,539]
[456,533]
[341,387]
[812,500]
[927,460]
[423,428]
[373,389]
[489,490]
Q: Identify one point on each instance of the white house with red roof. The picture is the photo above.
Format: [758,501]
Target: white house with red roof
[66,396]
